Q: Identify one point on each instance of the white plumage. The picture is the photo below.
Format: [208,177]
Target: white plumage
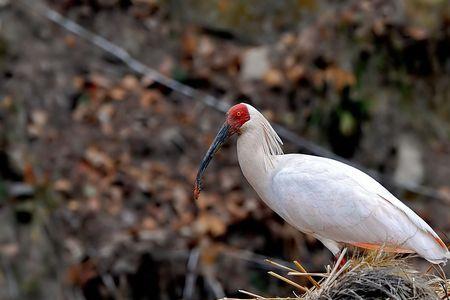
[333,201]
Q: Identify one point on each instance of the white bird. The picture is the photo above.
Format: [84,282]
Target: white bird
[336,203]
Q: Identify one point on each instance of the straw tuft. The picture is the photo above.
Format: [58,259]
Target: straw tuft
[366,275]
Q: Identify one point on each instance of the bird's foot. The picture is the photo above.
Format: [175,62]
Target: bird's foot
[343,260]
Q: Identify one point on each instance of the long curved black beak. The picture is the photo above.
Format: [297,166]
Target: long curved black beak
[219,140]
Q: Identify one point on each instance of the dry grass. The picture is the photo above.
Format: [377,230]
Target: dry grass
[366,275]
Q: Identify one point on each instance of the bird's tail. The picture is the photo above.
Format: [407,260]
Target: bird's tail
[430,247]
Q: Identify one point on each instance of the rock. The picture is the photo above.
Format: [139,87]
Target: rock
[255,63]
[409,169]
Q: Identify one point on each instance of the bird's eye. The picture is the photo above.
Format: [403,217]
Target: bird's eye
[238,114]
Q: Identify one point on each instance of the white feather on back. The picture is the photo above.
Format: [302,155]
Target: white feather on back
[270,140]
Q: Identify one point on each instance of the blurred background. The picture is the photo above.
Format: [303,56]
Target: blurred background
[99,149]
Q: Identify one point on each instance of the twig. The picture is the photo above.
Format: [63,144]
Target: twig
[12,286]
[279,265]
[215,286]
[111,286]
[336,266]
[308,275]
[19,189]
[251,294]
[191,272]
[298,286]
[338,273]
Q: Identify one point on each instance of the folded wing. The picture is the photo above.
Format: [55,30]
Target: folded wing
[338,202]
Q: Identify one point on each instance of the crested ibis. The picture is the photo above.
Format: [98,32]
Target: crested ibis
[336,203]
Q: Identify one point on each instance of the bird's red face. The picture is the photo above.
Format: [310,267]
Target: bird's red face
[237,116]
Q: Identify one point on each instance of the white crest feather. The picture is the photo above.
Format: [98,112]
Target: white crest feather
[270,140]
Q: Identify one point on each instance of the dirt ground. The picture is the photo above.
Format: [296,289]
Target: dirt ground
[97,162]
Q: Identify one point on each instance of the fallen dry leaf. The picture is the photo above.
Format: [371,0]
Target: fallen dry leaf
[417,33]
[39,117]
[296,72]
[210,252]
[444,192]
[80,274]
[99,158]
[189,42]
[118,93]
[70,41]
[130,83]
[273,78]
[209,223]
[149,223]
[62,185]
[149,98]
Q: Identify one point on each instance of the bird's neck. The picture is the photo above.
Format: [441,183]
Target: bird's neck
[256,163]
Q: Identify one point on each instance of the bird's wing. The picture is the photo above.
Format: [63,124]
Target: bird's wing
[339,202]
[373,186]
